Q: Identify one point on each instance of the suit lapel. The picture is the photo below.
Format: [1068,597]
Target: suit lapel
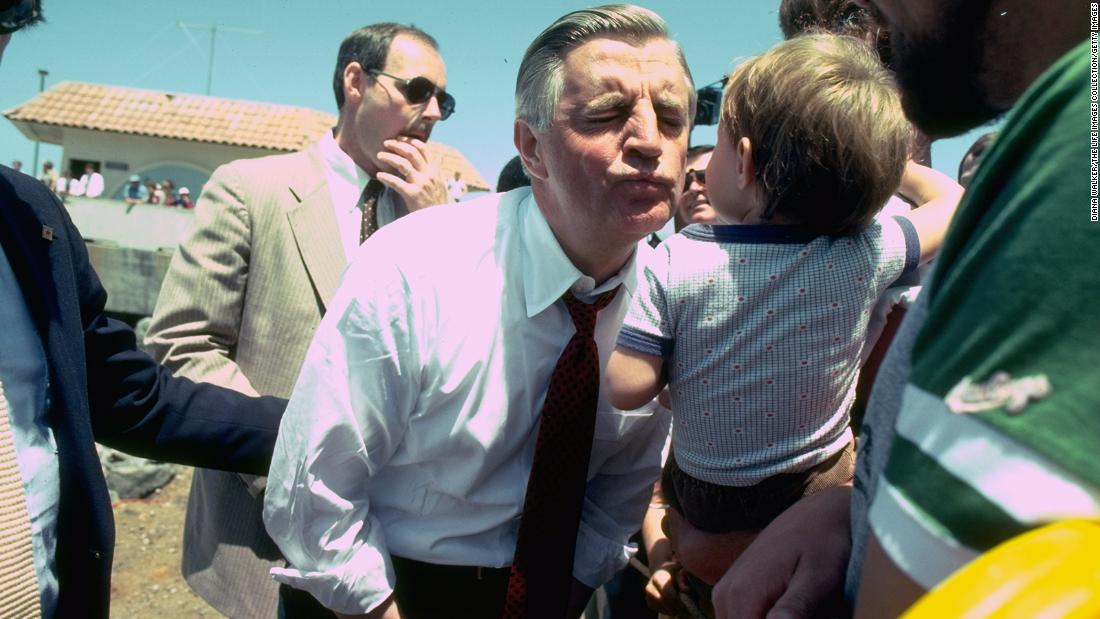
[22,235]
[313,223]
[43,265]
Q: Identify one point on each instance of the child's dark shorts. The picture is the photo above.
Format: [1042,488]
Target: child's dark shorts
[720,509]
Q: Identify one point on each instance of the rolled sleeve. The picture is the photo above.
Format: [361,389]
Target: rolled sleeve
[912,244]
[896,248]
[641,341]
[364,582]
[346,418]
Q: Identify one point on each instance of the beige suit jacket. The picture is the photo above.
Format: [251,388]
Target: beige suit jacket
[242,298]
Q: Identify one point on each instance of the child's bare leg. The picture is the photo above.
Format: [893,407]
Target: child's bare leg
[706,555]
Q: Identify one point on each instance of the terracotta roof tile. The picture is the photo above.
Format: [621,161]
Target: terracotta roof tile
[197,118]
[174,115]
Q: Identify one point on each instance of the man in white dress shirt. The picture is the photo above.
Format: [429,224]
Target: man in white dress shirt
[272,235]
[92,182]
[401,469]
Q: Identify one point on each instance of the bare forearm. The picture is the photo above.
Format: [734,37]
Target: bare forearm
[662,591]
[921,184]
[884,589]
[937,197]
[654,540]
[633,378]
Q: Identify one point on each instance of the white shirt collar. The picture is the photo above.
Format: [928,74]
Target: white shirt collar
[548,273]
[343,170]
[346,182]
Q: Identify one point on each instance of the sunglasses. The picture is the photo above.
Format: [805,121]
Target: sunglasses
[419,89]
[695,175]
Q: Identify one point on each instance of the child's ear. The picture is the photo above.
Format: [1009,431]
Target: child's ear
[746,170]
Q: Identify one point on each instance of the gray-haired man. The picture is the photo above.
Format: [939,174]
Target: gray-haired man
[444,384]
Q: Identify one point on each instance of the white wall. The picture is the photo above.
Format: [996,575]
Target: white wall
[141,152]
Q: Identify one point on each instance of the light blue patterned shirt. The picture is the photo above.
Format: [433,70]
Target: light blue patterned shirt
[761,329]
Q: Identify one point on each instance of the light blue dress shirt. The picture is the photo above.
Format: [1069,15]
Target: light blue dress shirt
[25,377]
[412,427]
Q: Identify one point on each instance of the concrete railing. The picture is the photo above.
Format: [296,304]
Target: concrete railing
[130,248]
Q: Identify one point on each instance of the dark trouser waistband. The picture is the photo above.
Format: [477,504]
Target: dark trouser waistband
[423,590]
[298,604]
[431,590]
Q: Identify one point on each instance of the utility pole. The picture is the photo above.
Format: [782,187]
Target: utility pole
[214,29]
[210,65]
[42,73]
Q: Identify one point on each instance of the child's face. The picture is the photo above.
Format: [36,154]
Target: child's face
[729,189]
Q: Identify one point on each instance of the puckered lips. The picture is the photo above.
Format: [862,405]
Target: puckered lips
[645,185]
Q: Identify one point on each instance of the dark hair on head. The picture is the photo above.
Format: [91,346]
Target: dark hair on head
[843,17]
[369,46]
[829,138]
[973,157]
[700,149]
[512,175]
[20,14]
[541,77]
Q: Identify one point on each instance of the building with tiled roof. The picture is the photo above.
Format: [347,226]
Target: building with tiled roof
[157,134]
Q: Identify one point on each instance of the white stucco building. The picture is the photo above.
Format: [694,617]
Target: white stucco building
[184,137]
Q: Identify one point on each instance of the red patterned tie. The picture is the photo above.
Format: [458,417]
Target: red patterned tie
[542,570]
[368,202]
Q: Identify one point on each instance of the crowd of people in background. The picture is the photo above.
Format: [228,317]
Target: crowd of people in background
[90,184]
[147,191]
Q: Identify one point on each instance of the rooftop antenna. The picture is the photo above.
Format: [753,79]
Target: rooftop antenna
[214,29]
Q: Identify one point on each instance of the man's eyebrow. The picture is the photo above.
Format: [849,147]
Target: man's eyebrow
[605,103]
[667,102]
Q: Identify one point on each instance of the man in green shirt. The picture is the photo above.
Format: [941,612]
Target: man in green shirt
[984,419]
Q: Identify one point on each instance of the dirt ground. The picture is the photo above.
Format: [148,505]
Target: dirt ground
[146,581]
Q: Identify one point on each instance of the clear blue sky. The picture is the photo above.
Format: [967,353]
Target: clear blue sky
[291,60]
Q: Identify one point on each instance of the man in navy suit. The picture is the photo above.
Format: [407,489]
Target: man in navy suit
[69,377]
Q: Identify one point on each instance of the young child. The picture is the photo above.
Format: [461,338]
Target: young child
[757,323]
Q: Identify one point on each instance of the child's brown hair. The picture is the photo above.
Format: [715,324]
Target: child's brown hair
[829,137]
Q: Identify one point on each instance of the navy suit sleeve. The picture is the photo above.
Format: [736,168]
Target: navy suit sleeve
[137,406]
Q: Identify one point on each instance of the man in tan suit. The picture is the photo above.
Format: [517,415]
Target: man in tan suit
[272,236]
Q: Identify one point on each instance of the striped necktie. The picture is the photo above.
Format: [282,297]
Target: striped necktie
[19,597]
